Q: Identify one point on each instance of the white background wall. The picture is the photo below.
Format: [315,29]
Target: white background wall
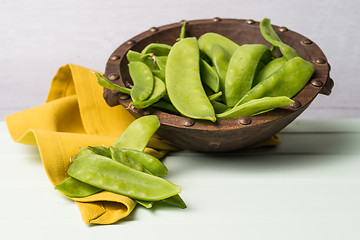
[39,36]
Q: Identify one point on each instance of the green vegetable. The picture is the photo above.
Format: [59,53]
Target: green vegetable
[138,133]
[183,82]
[75,188]
[143,81]
[241,71]
[270,35]
[140,161]
[110,175]
[287,81]
[255,106]
[158,92]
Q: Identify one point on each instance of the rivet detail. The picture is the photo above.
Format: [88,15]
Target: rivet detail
[147,112]
[283,29]
[306,42]
[295,104]
[114,57]
[244,120]
[154,29]
[188,122]
[316,83]
[131,42]
[217,19]
[123,96]
[113,77]
[320,61]
[250,21]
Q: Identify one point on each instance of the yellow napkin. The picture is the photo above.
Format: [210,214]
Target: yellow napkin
[75,116]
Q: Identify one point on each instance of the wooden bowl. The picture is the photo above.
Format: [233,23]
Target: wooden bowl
[230,134]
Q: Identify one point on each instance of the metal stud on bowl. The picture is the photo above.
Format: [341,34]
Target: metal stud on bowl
[113,77]
[250,21]
[244,120]
[217,19]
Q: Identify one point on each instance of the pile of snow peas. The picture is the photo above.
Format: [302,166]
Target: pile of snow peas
[213,78]
[123,168]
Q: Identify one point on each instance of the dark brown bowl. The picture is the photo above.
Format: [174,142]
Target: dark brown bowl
[229,134]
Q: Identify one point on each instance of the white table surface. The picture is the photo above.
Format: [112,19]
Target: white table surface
[306,188]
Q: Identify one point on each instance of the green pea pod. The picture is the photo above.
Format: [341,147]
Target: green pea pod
[270,35]
[287,81]
[220,59]
[138,133]
[113,176]
[158,49]
[183,82]
[84,152]
[209,76]
[147,204]
[109,85]
[165,106]
[215,96]
[269,69]
[158,92]
[143,81]
[219,107]
[161,62]
[100,150]
[148,163]
[121,157]
[207,40]
[183,30]
[255,106]
[75,188]
[175,201]
[159,74]
[133,56]
[241,71]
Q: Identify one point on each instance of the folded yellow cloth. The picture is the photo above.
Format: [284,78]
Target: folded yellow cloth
[75,116]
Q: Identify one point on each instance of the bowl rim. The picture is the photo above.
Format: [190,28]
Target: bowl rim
[320,81]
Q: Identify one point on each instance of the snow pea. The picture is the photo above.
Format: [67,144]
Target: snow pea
[255,106]
[287,81]
[138,133]
[209,76]
[166,107]
[75,188]
[109,85]
[175,200]
[133,56]
[270,35]
[161,63]
[143,81]
[207,40]
[183,30]
[100,150]
[215,96]
[107,174]
[183,81]
[269,69]
[241,71]
[158,92]
[220,60]
[158,49]
[219,107]
[140,161]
